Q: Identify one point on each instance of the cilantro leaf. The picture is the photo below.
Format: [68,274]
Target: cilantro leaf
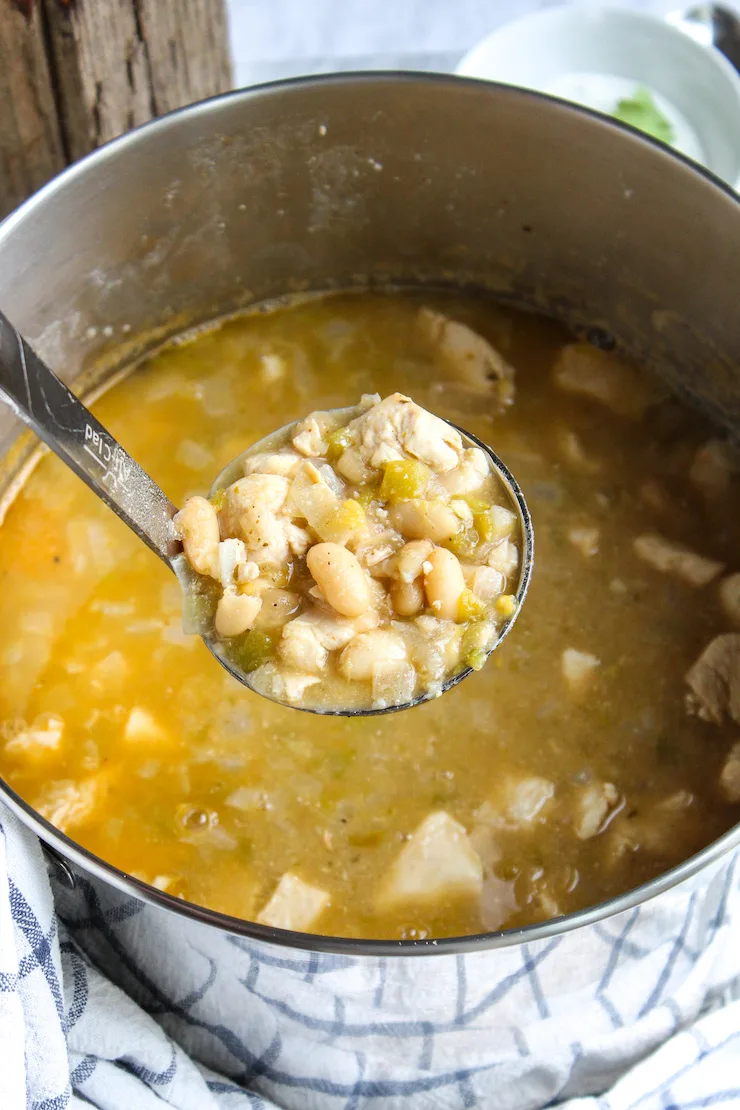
[641,111]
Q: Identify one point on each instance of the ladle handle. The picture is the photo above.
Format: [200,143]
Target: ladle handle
[47,406]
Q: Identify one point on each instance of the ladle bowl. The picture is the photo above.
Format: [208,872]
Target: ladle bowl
[235,469]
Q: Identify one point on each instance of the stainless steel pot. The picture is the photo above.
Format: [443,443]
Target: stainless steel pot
[381,179]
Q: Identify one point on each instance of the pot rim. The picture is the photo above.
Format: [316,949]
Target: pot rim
[58,844]
[349,77]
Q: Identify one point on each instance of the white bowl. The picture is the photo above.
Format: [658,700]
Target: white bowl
[694,85]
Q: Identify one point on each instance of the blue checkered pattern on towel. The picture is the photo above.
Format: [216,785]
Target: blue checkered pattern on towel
[640,1012]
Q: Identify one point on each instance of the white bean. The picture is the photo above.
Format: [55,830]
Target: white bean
[278,606]
[197,525]
[361,654]
[444,583]
[235,613]
[340,578]
[408,598]
[425,520]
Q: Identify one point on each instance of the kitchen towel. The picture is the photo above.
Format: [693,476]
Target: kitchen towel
[639,1011]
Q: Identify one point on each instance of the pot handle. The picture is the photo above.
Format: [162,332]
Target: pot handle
[51,410]
[61,868]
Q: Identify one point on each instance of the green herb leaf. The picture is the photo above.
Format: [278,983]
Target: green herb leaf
[641,111]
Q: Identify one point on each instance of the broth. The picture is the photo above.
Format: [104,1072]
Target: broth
[575,777]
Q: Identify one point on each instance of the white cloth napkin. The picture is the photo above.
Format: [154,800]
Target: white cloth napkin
[656,1026]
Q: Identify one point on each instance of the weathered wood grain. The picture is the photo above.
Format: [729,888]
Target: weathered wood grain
[187,50]
[76,73]
[31,148]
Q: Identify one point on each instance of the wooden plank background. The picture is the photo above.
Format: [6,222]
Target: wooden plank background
[76,73]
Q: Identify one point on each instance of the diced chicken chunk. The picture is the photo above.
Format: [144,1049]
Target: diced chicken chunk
[469,474]
[247,572]
[273,367]
[526,798]
[671,828]
[462,510]
[307,639]
[712,469]
[291,685]
[714,680]
[42,737]
[516,802]
[375,552]
[310,435]
[497,903]
[578,668]
[676,802]
[295,685]
[359,659]
[283,463]
[604,377]
[94,552]
[585,539]
[294,904]
[594,804]
[141,727]
[334,632]
[251,511]
[467,356]
[110,672]
[574,453]
[197,525]
[67,804]
[407,564]
[266,492]
[397,428]
[299,539]
[729,779]
[193,455]
[275,681]
[654,494]
[300,647]
[248,797]
[438,862]
[729,596]
[673,558]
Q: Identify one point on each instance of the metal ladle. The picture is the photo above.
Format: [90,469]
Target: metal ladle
[43,402]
